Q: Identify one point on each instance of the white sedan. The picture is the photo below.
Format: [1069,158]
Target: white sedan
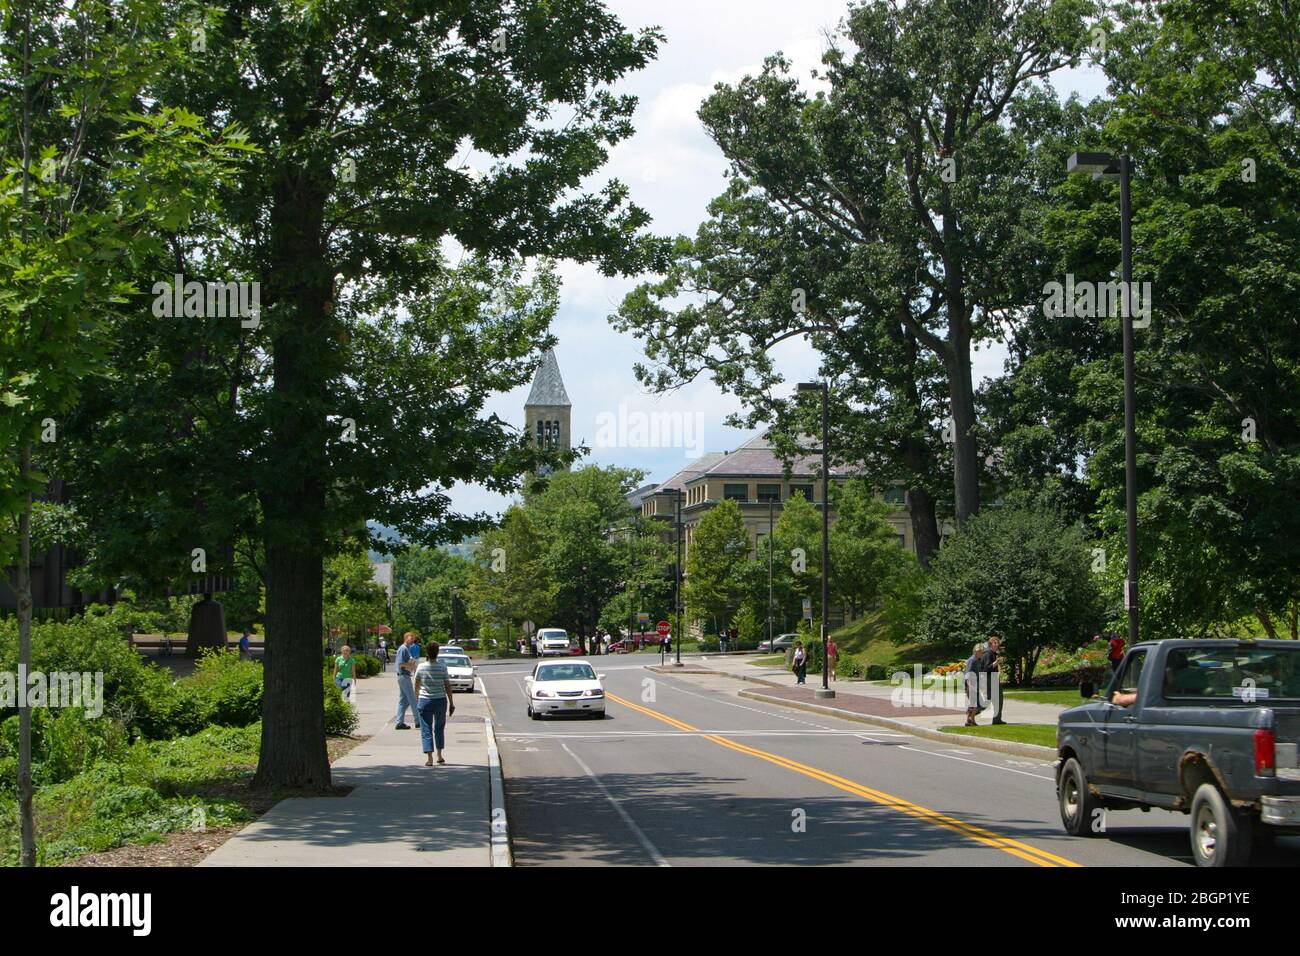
[564,687]
[459,671]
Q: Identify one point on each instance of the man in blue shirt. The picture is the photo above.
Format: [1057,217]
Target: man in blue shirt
[407,657]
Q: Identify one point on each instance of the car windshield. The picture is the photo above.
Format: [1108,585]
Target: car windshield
[1248,674]
[554,636]
[454,661]
[566,672]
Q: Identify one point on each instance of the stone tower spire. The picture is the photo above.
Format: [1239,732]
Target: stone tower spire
[547,411]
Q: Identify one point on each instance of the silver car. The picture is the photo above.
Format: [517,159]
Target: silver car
[460,671]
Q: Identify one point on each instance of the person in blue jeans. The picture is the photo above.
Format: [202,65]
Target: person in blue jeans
[800,663]
[406,663]
[433,686]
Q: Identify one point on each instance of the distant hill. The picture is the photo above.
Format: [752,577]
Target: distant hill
[463,549]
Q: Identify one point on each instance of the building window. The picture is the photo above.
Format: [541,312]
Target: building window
[895,496]
[735,492]
[805,490]
[541,435]
[902,540]
[555,434]
[769,493]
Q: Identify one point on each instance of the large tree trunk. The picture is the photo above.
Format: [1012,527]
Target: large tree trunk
[294,511]
[293,696]
[961,391]
[925,526]
[27,822]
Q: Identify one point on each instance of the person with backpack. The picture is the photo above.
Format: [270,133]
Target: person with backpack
[832,657]
[800,663]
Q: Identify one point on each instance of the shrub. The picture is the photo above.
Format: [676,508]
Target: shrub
[367,666]
[849,667]
[136,692]
[224,691]
[340,717]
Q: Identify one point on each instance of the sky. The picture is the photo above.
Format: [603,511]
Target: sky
[673,170]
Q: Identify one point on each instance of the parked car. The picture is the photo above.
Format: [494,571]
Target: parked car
[778,644]
[635,642]
[564,687]
[460,671]
[1206,727]
[552,640]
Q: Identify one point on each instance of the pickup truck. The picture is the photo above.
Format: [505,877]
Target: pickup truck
[1205,727]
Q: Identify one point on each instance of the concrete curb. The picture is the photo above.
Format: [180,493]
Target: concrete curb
[984,743]
[500,825]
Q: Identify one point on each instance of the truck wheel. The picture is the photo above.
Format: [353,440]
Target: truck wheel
[1221,835]
[1079,806]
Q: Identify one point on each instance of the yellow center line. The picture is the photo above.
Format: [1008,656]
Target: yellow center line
[969,830]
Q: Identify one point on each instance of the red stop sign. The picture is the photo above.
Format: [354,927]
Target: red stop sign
[663,628]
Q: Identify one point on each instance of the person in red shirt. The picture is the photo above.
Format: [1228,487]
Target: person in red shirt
[1116,653]
[832,656]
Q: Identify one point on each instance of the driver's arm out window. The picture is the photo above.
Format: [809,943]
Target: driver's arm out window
[1131,676]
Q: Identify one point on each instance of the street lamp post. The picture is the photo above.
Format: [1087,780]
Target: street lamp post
[825,389]
[453,618]
[770,510]
[677,588]
[1106,166]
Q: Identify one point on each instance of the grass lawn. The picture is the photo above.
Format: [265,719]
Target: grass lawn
[867,639]
[1060,696]
[1042,734]
[774,660]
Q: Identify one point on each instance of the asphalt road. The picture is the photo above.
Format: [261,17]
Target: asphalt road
[684,772]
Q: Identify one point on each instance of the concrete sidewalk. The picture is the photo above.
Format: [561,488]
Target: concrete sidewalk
[399,812]
[924,710]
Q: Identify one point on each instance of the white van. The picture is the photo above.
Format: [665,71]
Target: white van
[552,640]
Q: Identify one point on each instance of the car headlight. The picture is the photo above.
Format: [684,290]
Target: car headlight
[595,693]
[543,693]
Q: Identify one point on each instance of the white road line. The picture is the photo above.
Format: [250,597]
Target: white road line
[993,766]
[646,845]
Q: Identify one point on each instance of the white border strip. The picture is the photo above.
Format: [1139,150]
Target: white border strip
[499,826]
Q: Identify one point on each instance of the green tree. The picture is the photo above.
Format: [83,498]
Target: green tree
[719,546]
[867,562]
[94,177]
[426,583]
[511,581]
[358,395]
[352,600]
[578,513]
[1018,572]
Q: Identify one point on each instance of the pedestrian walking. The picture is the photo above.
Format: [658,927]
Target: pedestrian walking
[245,646]
[1115,650]
[832,657]
[532,644]
[436,703]
[800,663]
[405,666]
[974,666]
[383,654]
[345,671]
[993,668]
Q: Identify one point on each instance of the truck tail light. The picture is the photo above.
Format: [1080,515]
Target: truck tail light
[1265,753]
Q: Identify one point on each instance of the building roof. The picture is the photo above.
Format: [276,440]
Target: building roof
[693,470]
[758,457]
[548,386]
